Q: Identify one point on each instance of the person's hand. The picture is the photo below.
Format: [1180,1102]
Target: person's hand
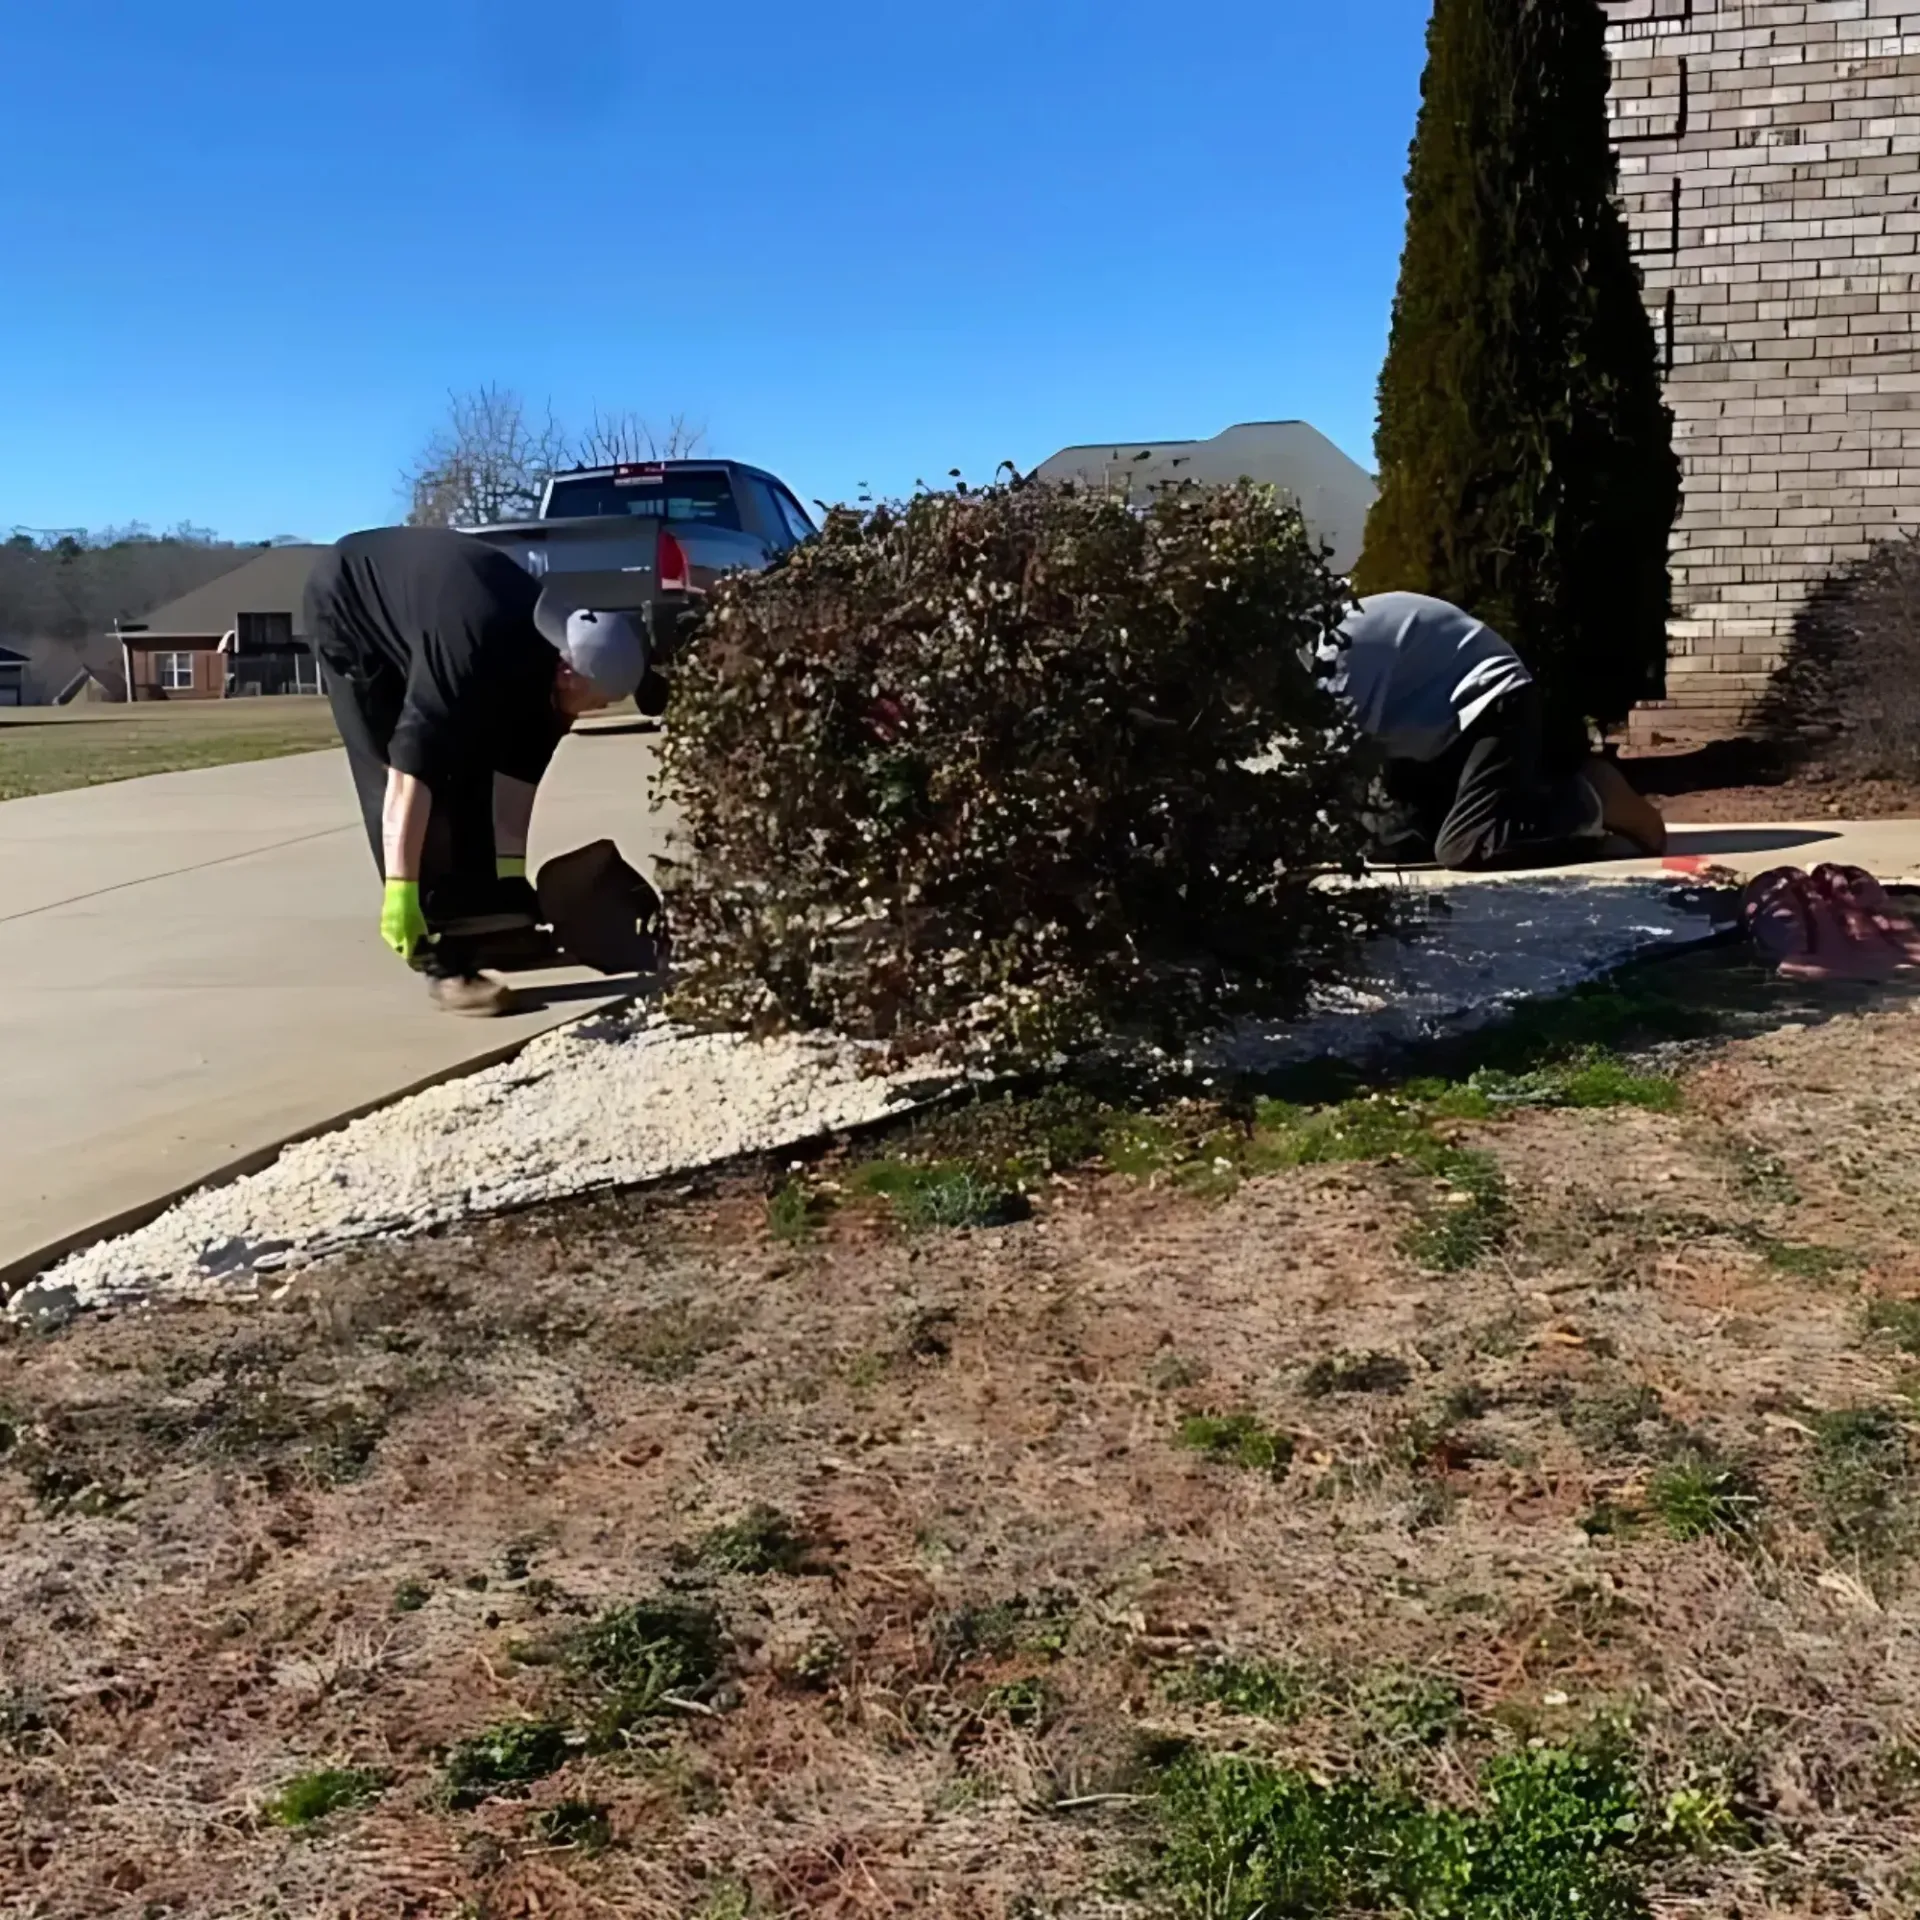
[403,926]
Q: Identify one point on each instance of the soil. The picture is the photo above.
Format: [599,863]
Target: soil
[1744,781]
[363,1521]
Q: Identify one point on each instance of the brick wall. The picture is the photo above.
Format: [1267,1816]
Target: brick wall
[1770,162]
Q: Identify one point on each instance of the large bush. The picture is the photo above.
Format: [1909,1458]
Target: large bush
[1848,691]
[968,776]
[1526,457]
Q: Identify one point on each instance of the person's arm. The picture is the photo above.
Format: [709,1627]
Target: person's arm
[403,824]
[403,835]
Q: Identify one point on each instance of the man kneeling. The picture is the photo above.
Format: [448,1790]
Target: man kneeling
[1468,783]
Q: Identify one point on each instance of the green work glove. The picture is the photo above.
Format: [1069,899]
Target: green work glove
[402,924]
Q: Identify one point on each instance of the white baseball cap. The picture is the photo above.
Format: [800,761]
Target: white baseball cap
[607,648]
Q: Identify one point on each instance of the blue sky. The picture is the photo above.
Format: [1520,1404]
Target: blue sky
[251,246]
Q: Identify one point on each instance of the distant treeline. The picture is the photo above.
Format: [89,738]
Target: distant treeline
[60,593]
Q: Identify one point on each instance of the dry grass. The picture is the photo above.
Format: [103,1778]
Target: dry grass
[998,1585]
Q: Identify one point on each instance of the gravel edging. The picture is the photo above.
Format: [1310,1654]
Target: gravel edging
[624,1098]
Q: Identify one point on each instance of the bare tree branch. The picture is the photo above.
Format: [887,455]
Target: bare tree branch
[489,462]
[614,438]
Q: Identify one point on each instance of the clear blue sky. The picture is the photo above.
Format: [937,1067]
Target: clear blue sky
[250,246]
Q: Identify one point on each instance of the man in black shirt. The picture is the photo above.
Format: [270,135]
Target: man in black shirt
[453,676]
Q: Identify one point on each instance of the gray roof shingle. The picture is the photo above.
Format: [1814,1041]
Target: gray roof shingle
[274,583]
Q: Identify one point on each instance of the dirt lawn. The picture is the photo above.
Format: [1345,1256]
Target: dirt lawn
[49,749]
[1500,1495]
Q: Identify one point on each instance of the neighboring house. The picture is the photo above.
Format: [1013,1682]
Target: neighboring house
[1770,165]
[13,678]
[1332,492]
[243,634]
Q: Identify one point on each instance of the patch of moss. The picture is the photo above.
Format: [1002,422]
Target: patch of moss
[410,1596]
[309,1797]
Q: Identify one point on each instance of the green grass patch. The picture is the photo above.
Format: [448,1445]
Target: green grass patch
[1350,1373]
[1557,1831]
[1020,1703]
[796,1211]
[1697,1496]
[666,1343]
[1036,1625]
[310,1797]
[1899,1320]
[931,1196]
[52,749]
[762,1541]
[503,1760]
[1255,1689]
[581,1825]
[1238,1440]
[410,1596]
[1405,1709]
[1801,1262]
[637,1659]
[1861,1478]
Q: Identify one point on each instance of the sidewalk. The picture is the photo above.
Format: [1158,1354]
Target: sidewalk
[192,975]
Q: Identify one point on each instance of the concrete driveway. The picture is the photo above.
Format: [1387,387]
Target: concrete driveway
[190,974]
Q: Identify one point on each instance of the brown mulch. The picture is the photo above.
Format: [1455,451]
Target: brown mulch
[215,1522]
[1727,782]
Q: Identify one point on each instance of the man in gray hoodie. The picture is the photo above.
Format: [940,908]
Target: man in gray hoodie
[1458,717]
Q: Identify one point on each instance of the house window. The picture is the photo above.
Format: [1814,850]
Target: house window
[263,632]
[174,672]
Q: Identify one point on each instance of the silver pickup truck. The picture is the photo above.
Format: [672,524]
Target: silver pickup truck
[652,536]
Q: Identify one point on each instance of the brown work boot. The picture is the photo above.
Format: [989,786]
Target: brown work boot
[475,994]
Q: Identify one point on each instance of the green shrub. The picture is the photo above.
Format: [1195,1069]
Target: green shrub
[1527,470]
[970,776]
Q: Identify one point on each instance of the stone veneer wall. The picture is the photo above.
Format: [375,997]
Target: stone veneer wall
[1770,164]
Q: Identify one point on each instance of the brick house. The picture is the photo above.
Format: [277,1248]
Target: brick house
[242,634]
[1770,164]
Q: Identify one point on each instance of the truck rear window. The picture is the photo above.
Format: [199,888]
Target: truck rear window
[705,497]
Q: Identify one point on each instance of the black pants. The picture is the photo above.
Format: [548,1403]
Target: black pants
[457,877]
[1489,801]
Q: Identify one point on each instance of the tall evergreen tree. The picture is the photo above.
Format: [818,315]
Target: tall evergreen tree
[1527,470]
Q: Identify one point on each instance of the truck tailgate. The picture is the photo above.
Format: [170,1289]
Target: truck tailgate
[610,561]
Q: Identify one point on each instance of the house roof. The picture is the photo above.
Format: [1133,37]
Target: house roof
[274,583]
[1334,492]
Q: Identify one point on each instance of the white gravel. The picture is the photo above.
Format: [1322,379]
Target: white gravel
[623,1098]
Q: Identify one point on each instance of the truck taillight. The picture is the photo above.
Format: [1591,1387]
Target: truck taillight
[671,564]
